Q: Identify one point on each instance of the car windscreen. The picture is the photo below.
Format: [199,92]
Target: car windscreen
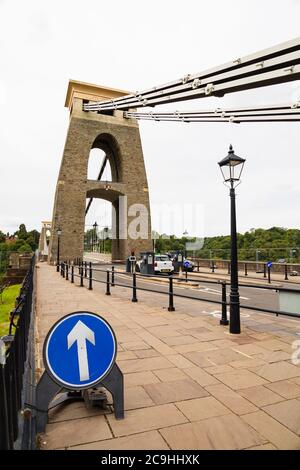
[162,258]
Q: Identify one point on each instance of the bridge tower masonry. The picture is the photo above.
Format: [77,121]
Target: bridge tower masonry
[120,139]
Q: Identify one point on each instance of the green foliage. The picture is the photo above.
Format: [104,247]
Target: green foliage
[8,303]
[2,237]
[272,244]
[22,232]
[25,248]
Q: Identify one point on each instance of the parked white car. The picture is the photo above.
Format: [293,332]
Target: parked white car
[163,264]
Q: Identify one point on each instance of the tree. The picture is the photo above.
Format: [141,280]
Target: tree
[2,237]
[25,248]
[22,232]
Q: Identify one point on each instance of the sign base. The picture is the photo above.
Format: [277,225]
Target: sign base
[47,389]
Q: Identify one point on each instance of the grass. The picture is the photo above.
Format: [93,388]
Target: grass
[7,305]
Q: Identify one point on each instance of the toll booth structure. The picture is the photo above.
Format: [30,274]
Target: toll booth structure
[147,262]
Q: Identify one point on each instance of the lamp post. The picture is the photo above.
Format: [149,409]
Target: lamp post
[231,167]
[292,252]
[58,232]
[257,253]
[105,236]
[185,234]
[95,225]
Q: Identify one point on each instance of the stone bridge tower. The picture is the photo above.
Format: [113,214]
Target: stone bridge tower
[120,139]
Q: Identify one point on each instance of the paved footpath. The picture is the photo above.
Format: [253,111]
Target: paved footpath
[189,384]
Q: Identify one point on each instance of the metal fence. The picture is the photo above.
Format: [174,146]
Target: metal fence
[86,270]
[17,372]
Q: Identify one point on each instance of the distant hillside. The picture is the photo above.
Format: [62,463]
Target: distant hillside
[269,244]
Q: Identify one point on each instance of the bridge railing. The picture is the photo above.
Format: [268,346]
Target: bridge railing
[85,273]
[17,369]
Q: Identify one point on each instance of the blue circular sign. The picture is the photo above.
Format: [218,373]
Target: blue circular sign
[80,350]
[186,264]
[269,264]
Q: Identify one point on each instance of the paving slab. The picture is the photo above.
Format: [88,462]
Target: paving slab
[146,419]
[286,388]
[240,379]
[169,392]
[151,440]
[222,433]
[234,401]
[260,395]
[202,408]
[287,413]
[279,435]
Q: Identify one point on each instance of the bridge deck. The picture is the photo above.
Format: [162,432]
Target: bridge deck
[188,383]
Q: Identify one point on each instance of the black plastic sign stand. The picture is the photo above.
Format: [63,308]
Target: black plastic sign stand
[47,389]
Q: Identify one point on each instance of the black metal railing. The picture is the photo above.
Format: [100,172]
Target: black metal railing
[17,369]
[111,273]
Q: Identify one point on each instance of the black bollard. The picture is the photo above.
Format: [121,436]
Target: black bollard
[57,267]
[269,275]
[213,267]
[171,307]
[134,298]
[107,283]
[228,268]
[81,276]
[224,320]
[67,272]
[85,269]
[72,274]
[90,276]
[265,270]
[285,273]
[246,269]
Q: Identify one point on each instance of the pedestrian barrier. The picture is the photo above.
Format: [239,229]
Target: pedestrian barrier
[110,282]
[17,428]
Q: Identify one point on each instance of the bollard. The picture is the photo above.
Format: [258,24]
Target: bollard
[285,273]
[134,298]
[246,269]
[57,267]
[90,276]
[107,283]
[64,270]
[186,276]
[224,320]
[171,307]
[72,274]
[265,270]
[198,266]
[269,275]
[67,272]
[213,267]
[61,268]
[81,276]
[85,269]
[112,276]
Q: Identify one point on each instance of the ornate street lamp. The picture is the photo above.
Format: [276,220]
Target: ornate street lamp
[231,167]
[95,225]
[58,233]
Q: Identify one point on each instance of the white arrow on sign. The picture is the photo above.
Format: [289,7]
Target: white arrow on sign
[80,334]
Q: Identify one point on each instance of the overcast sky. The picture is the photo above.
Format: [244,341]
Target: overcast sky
[133,45]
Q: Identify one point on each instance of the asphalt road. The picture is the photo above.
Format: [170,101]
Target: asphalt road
[197,289]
